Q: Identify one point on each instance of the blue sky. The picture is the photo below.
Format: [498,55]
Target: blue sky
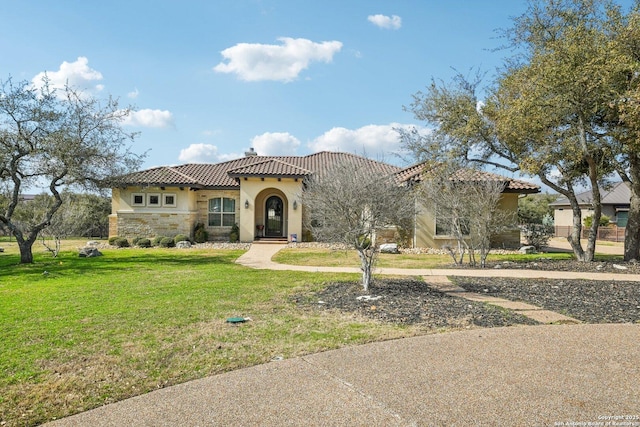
[209,79]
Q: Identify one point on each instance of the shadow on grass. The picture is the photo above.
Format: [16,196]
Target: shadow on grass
[114,260]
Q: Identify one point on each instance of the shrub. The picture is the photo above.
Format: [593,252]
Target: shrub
[135,240]
[120,242]
[157,240]
[166,242]
[604,221]
[234,235]
[200,235]
[537,235]
[181,238]
[144,243]
[364,242]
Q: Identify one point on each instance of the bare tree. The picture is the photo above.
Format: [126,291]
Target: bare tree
[56,139]
[467,208]
[350,204]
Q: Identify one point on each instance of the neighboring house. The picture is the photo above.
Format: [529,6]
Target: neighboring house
[259,193]
[615,204]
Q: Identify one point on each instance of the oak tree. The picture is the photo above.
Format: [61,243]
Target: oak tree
[56,139]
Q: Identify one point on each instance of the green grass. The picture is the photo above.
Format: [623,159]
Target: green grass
[93,331]
[349,258]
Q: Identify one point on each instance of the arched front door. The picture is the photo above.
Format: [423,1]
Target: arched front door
[274,220]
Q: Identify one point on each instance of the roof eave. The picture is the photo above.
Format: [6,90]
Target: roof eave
[522,191]
[262,175]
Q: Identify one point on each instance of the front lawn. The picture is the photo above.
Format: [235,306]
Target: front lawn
[319,257]
[78,333]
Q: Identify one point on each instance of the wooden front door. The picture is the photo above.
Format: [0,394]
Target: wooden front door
[274,221]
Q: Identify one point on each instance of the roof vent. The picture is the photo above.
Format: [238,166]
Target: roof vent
[250,153]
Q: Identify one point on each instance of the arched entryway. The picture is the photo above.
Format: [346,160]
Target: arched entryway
[274,217]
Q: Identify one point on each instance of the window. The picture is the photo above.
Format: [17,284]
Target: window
[446,225]
[222,212]
[169,200]
[153,199]
[137,199]
[622,217]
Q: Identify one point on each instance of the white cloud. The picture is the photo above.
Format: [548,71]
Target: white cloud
[78,75]
[199,153]
[275,144]
[371,140]
[133,94]
[204,153]
[149,118]
[387,22]
[256,62]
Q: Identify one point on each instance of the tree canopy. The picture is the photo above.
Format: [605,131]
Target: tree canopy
[56,139]
[562,109]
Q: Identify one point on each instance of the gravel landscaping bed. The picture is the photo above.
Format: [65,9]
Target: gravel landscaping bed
[543,263]
[591,301]
[410,301]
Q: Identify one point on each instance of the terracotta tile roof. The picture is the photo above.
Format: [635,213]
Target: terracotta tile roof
[416,172]
[223,175]
[269,167]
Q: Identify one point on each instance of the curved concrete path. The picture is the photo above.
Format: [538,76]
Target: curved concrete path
[516,376]
[259,256]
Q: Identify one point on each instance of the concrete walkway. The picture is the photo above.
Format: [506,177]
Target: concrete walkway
[516,376]
[259,256]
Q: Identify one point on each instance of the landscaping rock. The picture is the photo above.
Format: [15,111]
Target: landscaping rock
[528,250]
[389,248]
[184,244]
[92,243]
[1,249]
[89,252]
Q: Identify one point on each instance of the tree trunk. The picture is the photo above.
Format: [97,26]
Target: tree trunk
[593,175]
[632,230]
[366,267]
[595,224]
[26,253]
[576,229]
[575,236]
[26,245]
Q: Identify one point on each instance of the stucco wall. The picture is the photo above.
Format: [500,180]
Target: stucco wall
[563,216]
[256,191]
[146,220]
[425,232]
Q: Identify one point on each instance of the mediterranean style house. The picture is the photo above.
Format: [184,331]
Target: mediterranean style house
[261,194]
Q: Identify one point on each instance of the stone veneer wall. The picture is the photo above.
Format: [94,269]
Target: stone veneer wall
[150,225]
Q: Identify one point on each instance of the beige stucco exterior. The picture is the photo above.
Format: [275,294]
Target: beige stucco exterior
[256,191]
[191,207]
[425,228]
[266,193]
[563,216]
[149,220]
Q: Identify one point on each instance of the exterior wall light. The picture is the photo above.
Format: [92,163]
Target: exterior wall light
[295,205]
[246,204]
